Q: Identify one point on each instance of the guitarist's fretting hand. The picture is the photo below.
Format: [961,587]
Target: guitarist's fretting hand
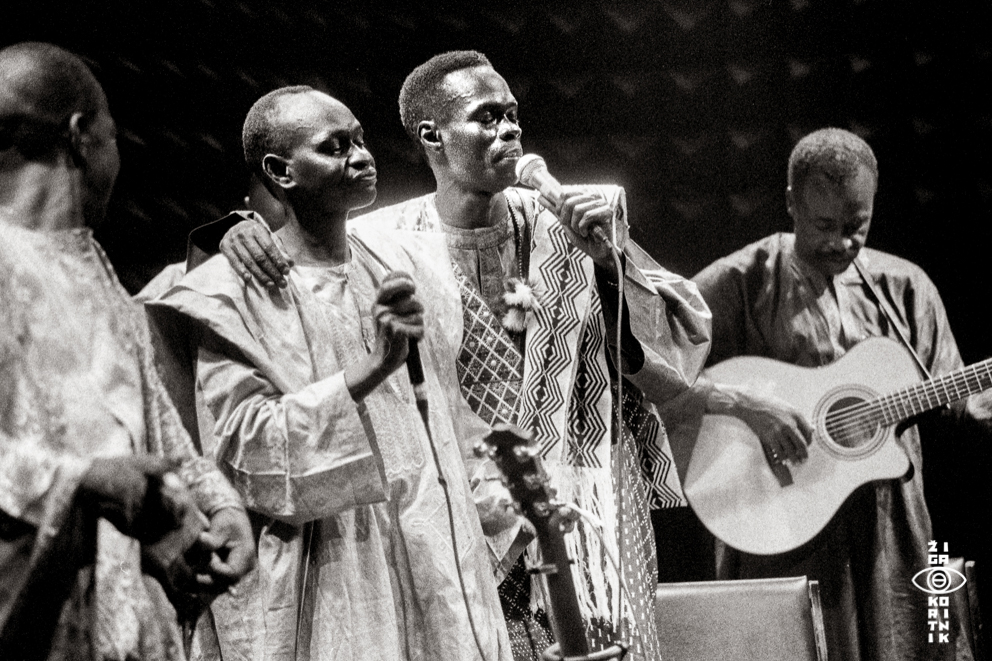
[782,429]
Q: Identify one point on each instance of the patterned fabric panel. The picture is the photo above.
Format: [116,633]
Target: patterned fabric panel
[557,319]
[490,366]
[649,439]
[585,426]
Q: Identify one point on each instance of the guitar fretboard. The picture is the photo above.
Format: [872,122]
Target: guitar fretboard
[902,404]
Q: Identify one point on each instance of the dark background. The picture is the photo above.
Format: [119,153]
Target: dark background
[693,106]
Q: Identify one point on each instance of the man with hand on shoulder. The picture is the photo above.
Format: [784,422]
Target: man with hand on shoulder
[370,543]
[539,351]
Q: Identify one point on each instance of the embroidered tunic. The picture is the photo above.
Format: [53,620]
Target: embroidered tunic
[566,394]
[356,559]
[77,382]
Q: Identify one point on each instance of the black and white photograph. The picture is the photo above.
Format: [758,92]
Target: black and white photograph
[520,331]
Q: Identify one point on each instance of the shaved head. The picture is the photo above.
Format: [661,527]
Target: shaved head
[265,132]
[41,87]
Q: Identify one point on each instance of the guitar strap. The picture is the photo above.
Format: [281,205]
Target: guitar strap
[891,317]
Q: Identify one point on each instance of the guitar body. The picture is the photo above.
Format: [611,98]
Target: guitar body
[731,486]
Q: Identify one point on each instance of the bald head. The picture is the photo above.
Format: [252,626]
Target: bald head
[309,151]
[266,130]
[41,87]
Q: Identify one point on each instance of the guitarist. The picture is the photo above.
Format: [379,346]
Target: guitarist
[800,298]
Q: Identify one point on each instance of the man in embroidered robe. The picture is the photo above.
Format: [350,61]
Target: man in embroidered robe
[175,353]
[555,377]
[362,553]
[98,480]
[799,298]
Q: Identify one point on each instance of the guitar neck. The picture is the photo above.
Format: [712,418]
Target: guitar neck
[922,397]
[563,609]
[518,458]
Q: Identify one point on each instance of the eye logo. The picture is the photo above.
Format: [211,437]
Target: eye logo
[939,580]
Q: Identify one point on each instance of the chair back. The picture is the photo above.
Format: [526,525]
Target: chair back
[966,616]
[778,619]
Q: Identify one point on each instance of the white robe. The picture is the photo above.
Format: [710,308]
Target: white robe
[355,550]
[77,382]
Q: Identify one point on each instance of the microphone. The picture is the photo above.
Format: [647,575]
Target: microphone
[415,369]
[533,171]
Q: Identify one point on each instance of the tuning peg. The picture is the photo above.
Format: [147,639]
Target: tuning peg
[482,449]
[533,481]
[524,452]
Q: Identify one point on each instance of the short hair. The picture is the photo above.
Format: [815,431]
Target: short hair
[835,153]
[420,96]
[262,134]
[41,87]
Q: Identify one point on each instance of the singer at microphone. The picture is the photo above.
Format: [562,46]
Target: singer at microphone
[506,248]
[399,320]
[533,171]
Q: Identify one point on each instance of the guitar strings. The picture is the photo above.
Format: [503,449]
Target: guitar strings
[898,400]
[861,417]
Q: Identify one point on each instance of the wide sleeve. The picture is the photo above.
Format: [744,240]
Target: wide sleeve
[38,480]
[934,341]
[295,456]
[932,332]
[722,291]
[168,437]
[672,323]
[724,287]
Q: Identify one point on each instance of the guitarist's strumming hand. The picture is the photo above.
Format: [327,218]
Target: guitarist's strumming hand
[783,430]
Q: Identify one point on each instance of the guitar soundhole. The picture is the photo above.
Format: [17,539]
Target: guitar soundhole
[849,423]
[845,427]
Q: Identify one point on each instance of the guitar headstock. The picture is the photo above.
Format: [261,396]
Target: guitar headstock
[516,455]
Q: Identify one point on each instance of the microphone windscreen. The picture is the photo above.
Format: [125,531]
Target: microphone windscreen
[527,166]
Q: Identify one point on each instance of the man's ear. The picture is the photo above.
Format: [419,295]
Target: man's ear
[80,141]
[790,202]
[277,169]
[429,137]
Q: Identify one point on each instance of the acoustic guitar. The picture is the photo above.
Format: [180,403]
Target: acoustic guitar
[518,457]
[854,406]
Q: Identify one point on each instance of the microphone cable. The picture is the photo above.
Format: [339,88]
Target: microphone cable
[423,408]
[415,370]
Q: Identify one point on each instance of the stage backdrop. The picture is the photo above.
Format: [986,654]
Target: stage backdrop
[692,105]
